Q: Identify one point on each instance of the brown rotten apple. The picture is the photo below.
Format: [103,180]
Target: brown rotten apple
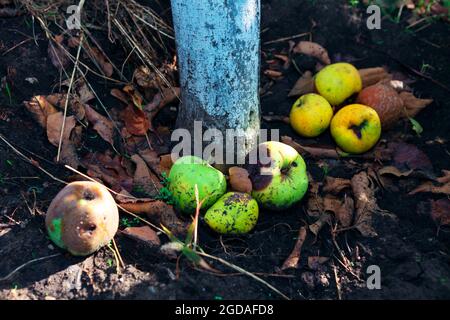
[82,218]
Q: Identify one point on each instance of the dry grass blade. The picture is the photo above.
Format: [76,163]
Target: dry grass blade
[8,276]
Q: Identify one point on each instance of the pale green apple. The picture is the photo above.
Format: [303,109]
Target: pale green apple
[189,171]
[281,182]
[233,213]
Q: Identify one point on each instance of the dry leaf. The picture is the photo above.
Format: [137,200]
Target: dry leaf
[345,213]
[119,94]
[304,85]
[429,187]
[147,79]
[136,120]
[273,74]
[335,185]
[312,49]
[166,163]
[239,180]
[412,104]
[135,96]
[324,218]
[74,106]
[394,171]
[109,170]
[143,179]
[159,212]
[283,119]
[101,124]
[40,108]
[54,125]
[371,76]
[318,152]
[365,203]
[144,234]
[407,156]
[57,54]
[68,153]
[160,100]
[100,58]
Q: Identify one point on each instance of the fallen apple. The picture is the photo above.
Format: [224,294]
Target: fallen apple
[233,213]
[280,180]
[82,218]
[386,102]
[189,171]
[310,115]
[337,82]
[356,128]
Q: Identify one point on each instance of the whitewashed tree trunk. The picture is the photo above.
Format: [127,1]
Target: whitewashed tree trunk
[218,46]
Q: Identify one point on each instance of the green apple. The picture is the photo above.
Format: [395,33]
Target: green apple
[189,171]
[233,213]
[280,180]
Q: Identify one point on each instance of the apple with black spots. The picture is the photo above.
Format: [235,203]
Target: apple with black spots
[279,178]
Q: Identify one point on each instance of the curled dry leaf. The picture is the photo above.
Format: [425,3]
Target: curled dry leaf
[371,76]
[319,152]
[101,124]
[135,96]
[412,104]
[304,85]
[335,185]
[365,203]
[160,100]
[395,171]
[143,234]
[75,107]
[40,109]
[443,186]
[312,49]
[144,180]
[136,120]
[57,54]
[239,180]
[119,94]
[159,212]
[294,258]
[146,78]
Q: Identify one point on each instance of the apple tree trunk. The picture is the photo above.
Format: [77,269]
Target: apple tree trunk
[218,47]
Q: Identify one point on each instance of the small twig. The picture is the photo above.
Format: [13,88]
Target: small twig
[294,257]
[338,284]
[26,264]
[287,38]
[252,275]
[72,78]
[118,253]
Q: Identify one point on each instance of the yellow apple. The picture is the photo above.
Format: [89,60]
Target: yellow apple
[310,115]
[356,128]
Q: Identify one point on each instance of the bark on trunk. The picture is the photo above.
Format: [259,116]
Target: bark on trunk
[218,47]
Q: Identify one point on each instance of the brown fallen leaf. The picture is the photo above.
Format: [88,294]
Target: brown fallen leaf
[151,158]
[294,258]
[159,212]
[371,76]
[101,124]
[314,262]
[304,85]
[75,106]
[100,59]
[312,49]
[136,120]
[319,152]
[109,170]
[407,156]
[239,180]
[144,234]
[146,78]
[166,163]
[335,185]
[412,104]
[135,96]
[394,171]
[440,212]
[54,125]
[144,180]
[68,153]
[365,203]
[40,109]
[430,187]
[324,219]
[57,54]
[345,213]
[120,95]
[160,100]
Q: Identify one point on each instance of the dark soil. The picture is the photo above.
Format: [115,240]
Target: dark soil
[413,258]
